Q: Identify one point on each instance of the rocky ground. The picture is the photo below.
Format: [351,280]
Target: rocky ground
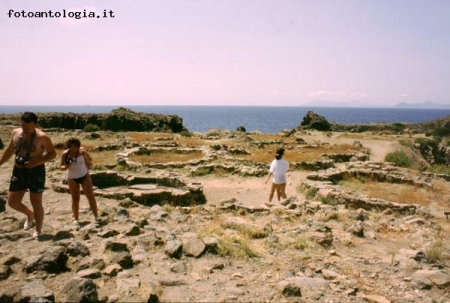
[233,247]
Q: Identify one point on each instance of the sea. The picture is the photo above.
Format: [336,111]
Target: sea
[267,119]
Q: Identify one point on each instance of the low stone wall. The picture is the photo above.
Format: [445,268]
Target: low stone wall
[312,165]
[325,184]
[146,190]
[375,173]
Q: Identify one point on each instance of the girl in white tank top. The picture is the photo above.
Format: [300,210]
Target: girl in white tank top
[77,162]
[77,168]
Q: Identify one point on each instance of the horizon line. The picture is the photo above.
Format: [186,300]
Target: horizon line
[409,106]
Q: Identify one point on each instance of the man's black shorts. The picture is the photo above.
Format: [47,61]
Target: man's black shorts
[28,178]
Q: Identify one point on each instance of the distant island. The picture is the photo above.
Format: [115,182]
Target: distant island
[422,105]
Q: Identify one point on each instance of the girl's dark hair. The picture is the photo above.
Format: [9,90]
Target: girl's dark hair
[279,154]
[73,141]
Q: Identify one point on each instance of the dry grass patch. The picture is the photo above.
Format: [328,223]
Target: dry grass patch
[298,154]
[366,135]
[237,246]
[392,236]
[214,229]
[99,158]
[168,208]
[332,149]
[305,157]
[140,137]
[400,193]
[166,156]
[185,141]
[106,157]
[264,137]
[309,192]
[415,196]
[271,137]
[293,153]
[59,138]
[216,171]
[333,215]
[290,242]
[437,250]
[356,136]
[440,187]
[268,154]
[258,155]
[346,148]
[298,241]
[434,252]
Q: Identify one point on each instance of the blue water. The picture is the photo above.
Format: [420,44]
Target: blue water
[253,118]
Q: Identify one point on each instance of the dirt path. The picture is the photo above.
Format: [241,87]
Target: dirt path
[379,146]
[251,191]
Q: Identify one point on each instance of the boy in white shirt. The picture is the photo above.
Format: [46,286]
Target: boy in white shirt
[278,169]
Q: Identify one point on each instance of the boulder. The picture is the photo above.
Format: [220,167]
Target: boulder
[80,290]
[241,129]
[426,279]
[36,291]
[52,260]
[123,258]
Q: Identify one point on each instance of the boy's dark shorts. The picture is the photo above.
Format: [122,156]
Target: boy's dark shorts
[28,178]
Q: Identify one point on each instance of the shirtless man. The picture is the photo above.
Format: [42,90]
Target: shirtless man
[32,148]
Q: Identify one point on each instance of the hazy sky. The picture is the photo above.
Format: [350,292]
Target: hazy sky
[225,52]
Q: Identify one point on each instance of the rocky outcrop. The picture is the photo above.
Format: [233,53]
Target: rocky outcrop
[314,121]
[397,128]
[241,129]
[120,119]
[433,151]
